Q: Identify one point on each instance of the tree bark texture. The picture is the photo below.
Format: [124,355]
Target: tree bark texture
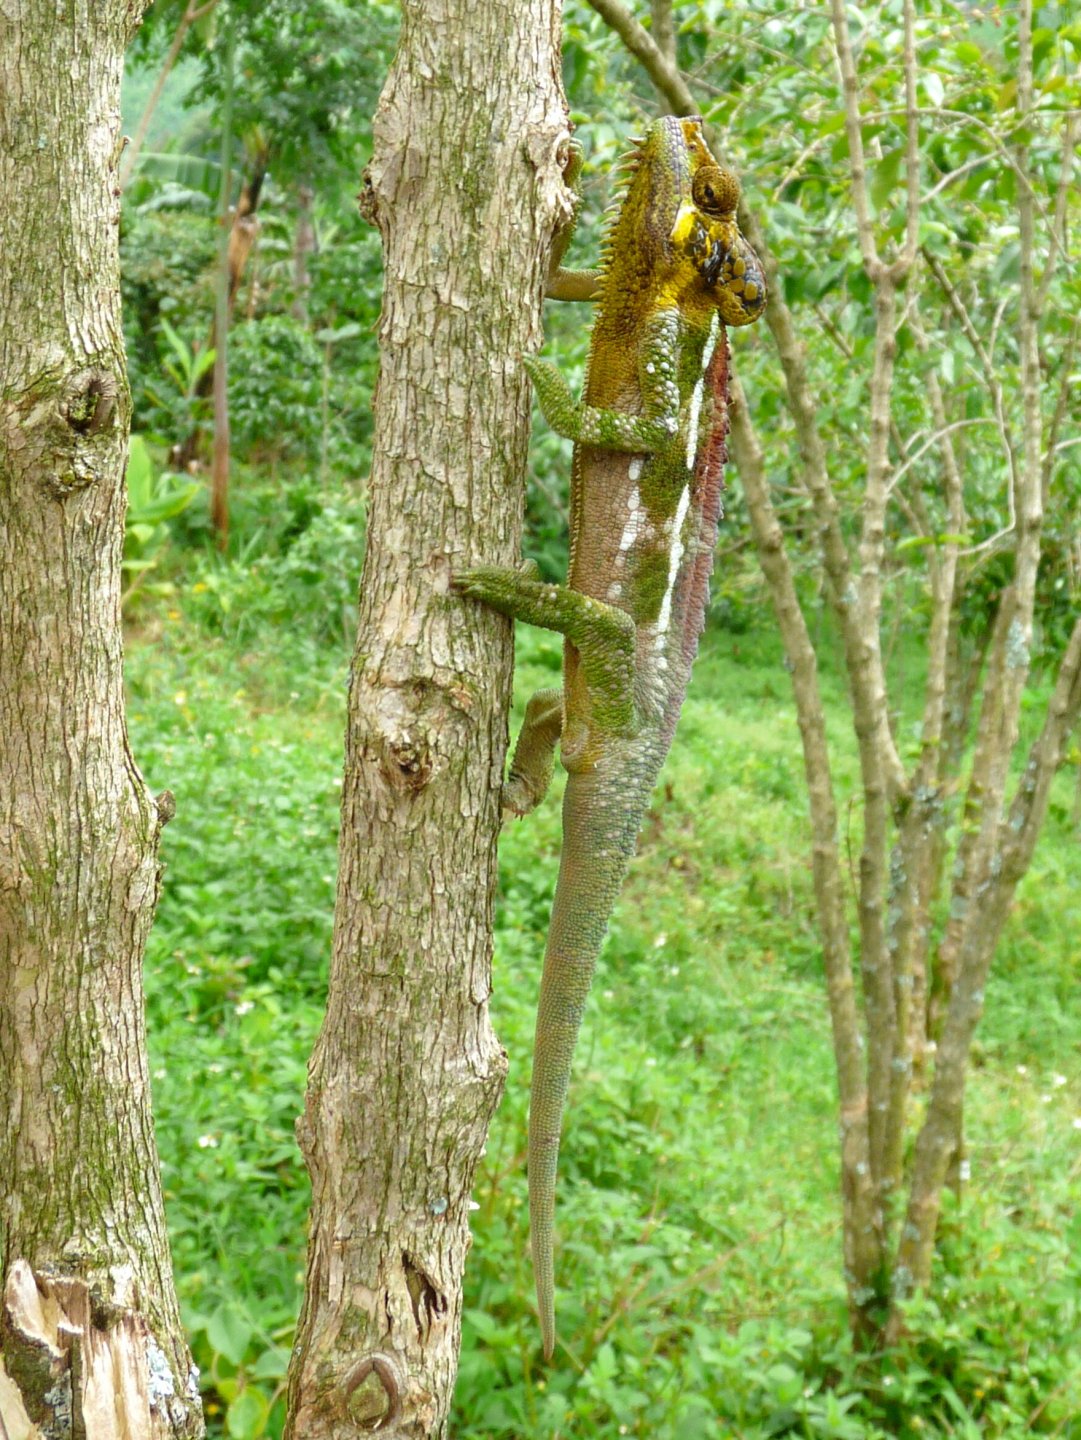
[466,188]
[90,1337]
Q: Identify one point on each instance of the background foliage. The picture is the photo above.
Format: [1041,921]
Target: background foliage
[700,1266]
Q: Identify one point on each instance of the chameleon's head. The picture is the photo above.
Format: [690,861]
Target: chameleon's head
[686,205]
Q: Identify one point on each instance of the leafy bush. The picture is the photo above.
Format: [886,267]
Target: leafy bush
[293,566]
[153,500]
[275,388]
[166,271]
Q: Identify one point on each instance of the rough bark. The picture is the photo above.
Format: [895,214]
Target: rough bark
[465,185]
[90,1337]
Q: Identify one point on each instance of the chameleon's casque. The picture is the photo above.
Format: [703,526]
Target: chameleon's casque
[645,501]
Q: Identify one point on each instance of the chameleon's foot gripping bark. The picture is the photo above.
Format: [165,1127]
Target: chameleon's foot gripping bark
[603,635]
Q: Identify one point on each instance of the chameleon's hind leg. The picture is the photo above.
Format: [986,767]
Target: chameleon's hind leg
[603,635]
[531,768]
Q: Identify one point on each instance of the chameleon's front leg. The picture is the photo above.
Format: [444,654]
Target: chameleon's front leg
[570,284]
[617,429]
[603,635]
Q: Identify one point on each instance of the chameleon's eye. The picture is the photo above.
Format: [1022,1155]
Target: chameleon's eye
[715,191]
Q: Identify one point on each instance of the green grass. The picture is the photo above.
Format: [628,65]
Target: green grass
[698,1268]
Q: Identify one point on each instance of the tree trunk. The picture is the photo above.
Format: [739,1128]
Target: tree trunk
[466,188]
[219,337]
[304,246]
[90,1337]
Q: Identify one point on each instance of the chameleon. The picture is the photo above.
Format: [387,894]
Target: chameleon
[645,500]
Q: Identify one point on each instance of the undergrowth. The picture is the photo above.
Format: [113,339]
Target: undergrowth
[699,1273]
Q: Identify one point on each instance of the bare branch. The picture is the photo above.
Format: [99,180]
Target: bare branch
[903,264]
[994,385]
[1017,836]
[916,858]
[952,176]
[664,31]
[1062,195]
[863,1230]
[644,48]
[934,438]
[854,130]
[997,862]
[1054,445]
[191,16]
[875,964]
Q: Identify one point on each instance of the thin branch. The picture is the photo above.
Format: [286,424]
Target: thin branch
[952,176]
[1054,445]
[1004,846]
[854,131]
[903,264]
[643,47]
[191,16]
[1017,838]
[830,327]
[933,439]
[876,955]
[664,31]
[994,385]
[1062,195]
[862,1230]
[915,862]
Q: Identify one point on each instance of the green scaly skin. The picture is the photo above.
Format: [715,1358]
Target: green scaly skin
[645,500]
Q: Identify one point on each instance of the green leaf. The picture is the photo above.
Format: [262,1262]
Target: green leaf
[247,1415]
[180,349]
[164,505]
[140,472]
[229,1332]
[271,1365]
[202,363]
[933,87]
[885,178]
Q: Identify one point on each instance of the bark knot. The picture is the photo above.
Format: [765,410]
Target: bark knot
[407,763]
[91,402]
[373,1391]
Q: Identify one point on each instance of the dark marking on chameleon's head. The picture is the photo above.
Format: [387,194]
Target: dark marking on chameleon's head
[706,235]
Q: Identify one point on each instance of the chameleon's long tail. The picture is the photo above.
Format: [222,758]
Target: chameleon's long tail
[602,811]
